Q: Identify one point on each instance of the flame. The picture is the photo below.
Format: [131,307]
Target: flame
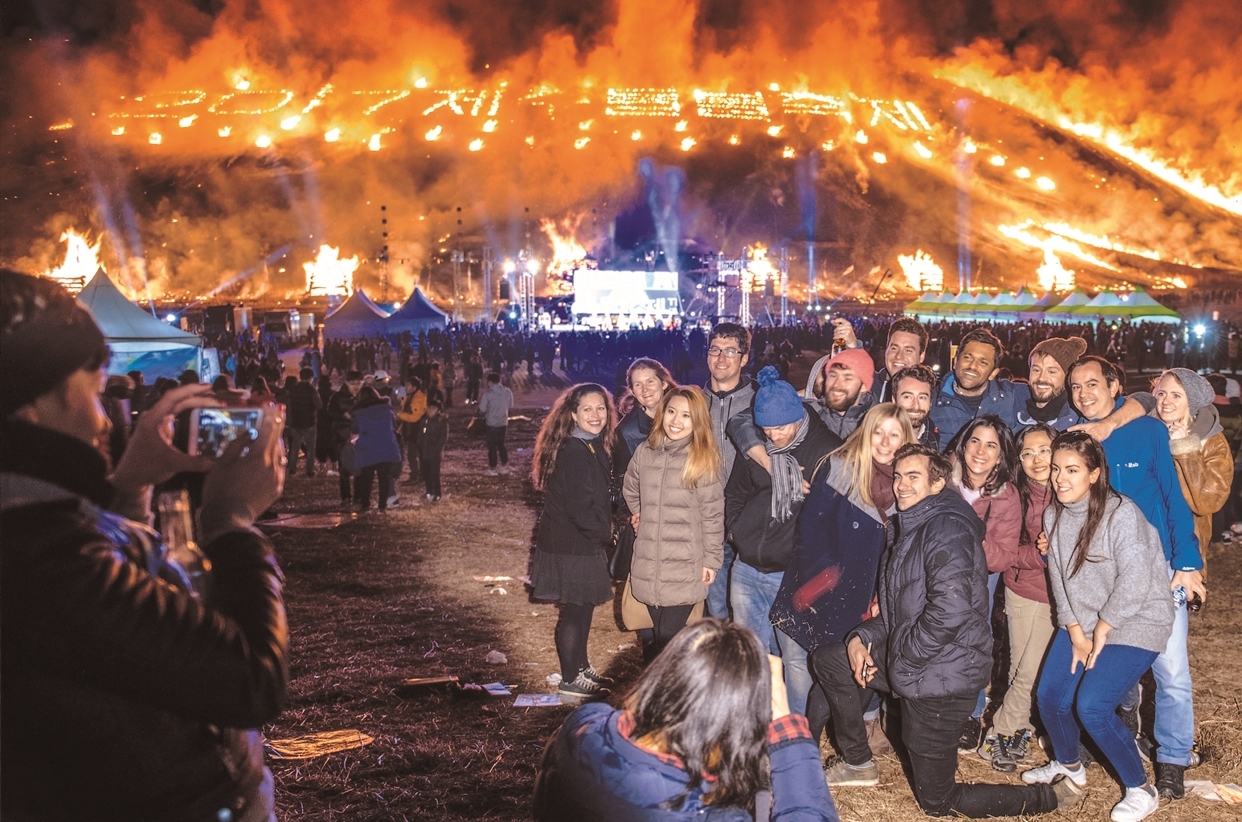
[759,268]
[329,275]
[1052,275]
[922,273]
[81,262]
[567,252]
[1011,90]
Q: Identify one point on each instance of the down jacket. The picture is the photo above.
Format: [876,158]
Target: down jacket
[680,530]
[1205,470]
[932,635]
[592,771]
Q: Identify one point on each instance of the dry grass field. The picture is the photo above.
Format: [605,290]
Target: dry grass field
[386,598]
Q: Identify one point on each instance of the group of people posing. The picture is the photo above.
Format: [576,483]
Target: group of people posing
[859,531]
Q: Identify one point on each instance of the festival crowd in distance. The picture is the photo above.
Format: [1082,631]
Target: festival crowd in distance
[799,562]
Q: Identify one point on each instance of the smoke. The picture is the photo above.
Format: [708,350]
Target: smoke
[197,209]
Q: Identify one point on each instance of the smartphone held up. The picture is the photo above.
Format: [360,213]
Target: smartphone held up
[213,429]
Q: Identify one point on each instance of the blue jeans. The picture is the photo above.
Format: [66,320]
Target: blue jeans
[981,703]
[752,593]
[1094,696]
[718,591]
[1175,707]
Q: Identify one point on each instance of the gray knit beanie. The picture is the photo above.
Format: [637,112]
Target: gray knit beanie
[1199,391]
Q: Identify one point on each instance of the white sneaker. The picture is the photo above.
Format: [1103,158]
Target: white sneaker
[394,501]
[1139,803]
[504,469]
[1045,774]
[491,472]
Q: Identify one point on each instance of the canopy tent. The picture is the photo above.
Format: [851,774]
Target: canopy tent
[138,341]
[1142,307]
[1061,310]
[1104,304]
[418,314]
[1036,309]
[358,316]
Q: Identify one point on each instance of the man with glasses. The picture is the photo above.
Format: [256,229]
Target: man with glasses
[728,394]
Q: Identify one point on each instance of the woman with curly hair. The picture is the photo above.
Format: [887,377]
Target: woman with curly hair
[573,467]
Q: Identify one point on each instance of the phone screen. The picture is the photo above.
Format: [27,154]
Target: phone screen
[212,429]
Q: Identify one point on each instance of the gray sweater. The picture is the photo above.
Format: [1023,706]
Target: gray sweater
[1125,580]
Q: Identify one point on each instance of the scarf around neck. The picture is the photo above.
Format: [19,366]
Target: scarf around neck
[1050,411]
[786,473]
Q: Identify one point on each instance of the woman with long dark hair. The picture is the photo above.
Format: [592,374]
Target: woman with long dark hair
[697,737]
[573,467]
[674,489]
[376,447]
[1028,614]
[1109,581]
[984,462]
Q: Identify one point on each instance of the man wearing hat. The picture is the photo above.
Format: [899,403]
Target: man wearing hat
[838,389]
[1047,401]
[761,513]
[124,696]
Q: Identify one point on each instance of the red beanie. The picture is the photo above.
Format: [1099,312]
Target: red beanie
[858,361]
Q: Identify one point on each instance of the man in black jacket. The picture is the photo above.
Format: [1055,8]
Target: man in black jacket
[304,405]
[124,696]
[761,516]
[930,646]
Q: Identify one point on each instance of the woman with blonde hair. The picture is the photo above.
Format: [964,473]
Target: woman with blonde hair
[573,467]
[674,488]
[831,579]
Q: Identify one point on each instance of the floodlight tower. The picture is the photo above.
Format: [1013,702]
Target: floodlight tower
[459,257]
[784,267]
[489,260]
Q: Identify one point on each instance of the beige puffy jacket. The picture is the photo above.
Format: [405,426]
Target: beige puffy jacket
[680,531]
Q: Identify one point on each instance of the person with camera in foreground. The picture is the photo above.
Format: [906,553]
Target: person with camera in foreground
[124,694]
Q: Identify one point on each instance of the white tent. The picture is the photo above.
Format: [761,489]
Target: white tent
[138,341]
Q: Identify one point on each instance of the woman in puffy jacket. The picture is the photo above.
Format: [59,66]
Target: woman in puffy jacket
[372,420]
[1029,616]
[1200,448]
[674,488]
[984,461]
[690,743]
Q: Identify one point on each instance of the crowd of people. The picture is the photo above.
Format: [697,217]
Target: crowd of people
[796,563]
[861,530]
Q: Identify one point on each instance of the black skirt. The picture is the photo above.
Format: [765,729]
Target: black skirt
[571,579]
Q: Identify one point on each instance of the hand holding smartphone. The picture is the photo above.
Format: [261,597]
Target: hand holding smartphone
[212,429]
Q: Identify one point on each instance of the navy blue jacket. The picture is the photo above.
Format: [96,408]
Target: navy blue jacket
[1000,397]
[831,575]
[377,439]
[592,773]
[932,637]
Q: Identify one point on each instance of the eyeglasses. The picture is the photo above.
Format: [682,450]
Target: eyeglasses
[727,353]
[1030,455]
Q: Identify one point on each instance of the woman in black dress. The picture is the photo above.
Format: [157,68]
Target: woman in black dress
[573,467]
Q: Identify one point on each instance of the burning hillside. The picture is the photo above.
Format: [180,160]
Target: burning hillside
[202,146]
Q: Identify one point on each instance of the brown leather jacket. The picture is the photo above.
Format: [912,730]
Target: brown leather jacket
[1205,469]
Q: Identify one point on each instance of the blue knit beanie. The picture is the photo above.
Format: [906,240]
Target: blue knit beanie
[776,401]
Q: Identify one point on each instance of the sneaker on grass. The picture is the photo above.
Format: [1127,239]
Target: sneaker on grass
[838,772]
[990,746]
[1138,803]
[1011,751]
[582,688]
[1045,774]
[595,676]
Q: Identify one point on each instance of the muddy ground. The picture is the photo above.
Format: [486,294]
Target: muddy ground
[385,598]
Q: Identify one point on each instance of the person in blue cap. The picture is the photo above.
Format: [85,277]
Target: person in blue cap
[761,514]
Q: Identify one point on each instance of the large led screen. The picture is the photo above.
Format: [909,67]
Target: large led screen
[626,292]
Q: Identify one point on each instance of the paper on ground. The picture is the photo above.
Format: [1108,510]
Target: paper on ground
[309,746]
[536,701]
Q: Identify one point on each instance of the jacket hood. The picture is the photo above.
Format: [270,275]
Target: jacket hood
[839,481]
[815,371]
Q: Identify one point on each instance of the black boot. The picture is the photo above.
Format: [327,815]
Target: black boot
[1169,780]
